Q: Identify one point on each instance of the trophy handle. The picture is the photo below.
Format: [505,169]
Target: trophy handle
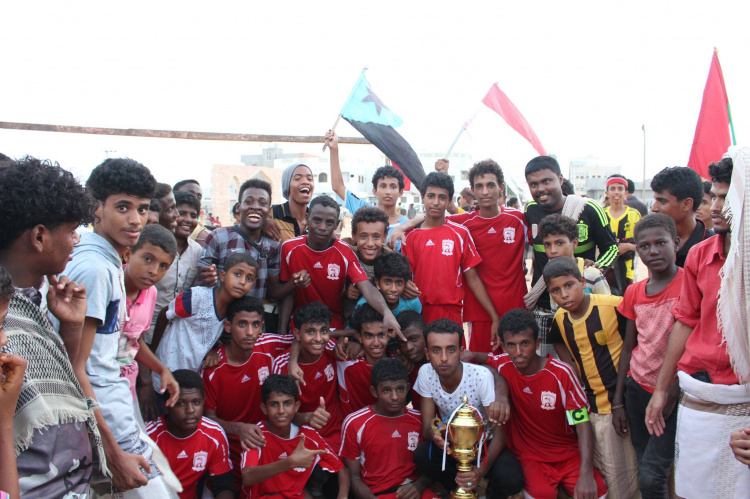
[439,428]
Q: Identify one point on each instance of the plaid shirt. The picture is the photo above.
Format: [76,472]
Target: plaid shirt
[224,241]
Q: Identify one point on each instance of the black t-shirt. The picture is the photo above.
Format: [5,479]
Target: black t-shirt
[700,233]
[593,233]
[636,203]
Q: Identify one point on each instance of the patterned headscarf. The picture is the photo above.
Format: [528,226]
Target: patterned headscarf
[733,311]
[286,178]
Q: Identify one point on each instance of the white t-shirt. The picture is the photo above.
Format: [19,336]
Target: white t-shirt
[477,384]
[192,332]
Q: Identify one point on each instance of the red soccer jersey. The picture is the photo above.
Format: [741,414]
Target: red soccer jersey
[438,257]
[234,393]
[189,458]
[290,484]
[320,381]
[538,429]
[385,446]
[354,384]
[500,242]
[328,271]
[416,398]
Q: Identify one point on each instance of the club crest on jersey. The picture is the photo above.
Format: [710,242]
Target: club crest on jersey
[199,460]
[534,230]
[333,271]
[602,337]
[509,235]
[548,400]
[262,374]
[448,247]
[329,372]
[412,440]
[583,231]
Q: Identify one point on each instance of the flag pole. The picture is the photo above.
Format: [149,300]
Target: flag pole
[333,129]
[643,187]
[460,132]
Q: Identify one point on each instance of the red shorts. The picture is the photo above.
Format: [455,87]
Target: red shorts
[543,479]
[479,337]
[426,494]
[435,312]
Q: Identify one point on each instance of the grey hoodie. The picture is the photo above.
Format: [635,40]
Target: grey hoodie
[97,265]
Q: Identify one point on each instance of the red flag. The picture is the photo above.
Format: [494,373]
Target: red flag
[501,104]
[712,137]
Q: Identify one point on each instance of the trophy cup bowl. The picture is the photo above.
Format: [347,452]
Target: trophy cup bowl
[464,432]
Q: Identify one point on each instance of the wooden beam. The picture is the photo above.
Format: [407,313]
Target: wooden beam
[176,134]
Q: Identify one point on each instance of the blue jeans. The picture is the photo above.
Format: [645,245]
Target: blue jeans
[655,454]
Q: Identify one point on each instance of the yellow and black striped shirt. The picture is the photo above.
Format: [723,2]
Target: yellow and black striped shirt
[624,230]
[595,341]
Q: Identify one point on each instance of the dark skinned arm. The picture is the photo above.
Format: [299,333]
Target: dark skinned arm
[477,287]
[586,486]
[619,415]
[360,490]
[251,437]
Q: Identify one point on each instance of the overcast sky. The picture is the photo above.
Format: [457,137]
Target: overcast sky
[585,74]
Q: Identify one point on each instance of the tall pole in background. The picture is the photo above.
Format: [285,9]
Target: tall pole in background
[643,190]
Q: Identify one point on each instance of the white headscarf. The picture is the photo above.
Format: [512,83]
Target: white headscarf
[733,311]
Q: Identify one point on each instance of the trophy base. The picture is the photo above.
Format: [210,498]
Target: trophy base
[460,493]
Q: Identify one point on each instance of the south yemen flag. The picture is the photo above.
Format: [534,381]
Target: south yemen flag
[366,112]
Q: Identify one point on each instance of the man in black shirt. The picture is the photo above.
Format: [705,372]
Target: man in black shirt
[633,201]
[678,192]
[545,179]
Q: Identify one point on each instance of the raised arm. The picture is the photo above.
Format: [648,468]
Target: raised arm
[337,179]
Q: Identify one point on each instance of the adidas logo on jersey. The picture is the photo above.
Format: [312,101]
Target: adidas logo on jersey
[283,455]
[318,375]
[396,434]
[182,455]
[430,243]
[245,379]
[527,390]
[492,231]
[318,266]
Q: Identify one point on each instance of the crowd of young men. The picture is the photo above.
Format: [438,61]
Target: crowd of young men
[273,358]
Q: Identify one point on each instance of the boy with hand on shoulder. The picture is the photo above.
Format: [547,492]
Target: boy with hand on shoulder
[315,267]
[233,385]
[194,321]
[392,275]
[320,406]
[560,238]
[194,445]
[148,262]
[647,306]
[379,440]
[354,374]
[587,333]
[442,383]
[443,257]
[547,400]
[292,455]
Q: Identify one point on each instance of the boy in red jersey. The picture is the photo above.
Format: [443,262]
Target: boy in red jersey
[544,392]
[292,454]
[354,375]
[500,237]
[315,267]
[193,444]
[379,440]
[320,406]
[233,385]
[443,257]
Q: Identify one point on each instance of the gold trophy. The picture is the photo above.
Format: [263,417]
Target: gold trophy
[464,433]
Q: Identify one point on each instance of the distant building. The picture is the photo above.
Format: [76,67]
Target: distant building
[581,170]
